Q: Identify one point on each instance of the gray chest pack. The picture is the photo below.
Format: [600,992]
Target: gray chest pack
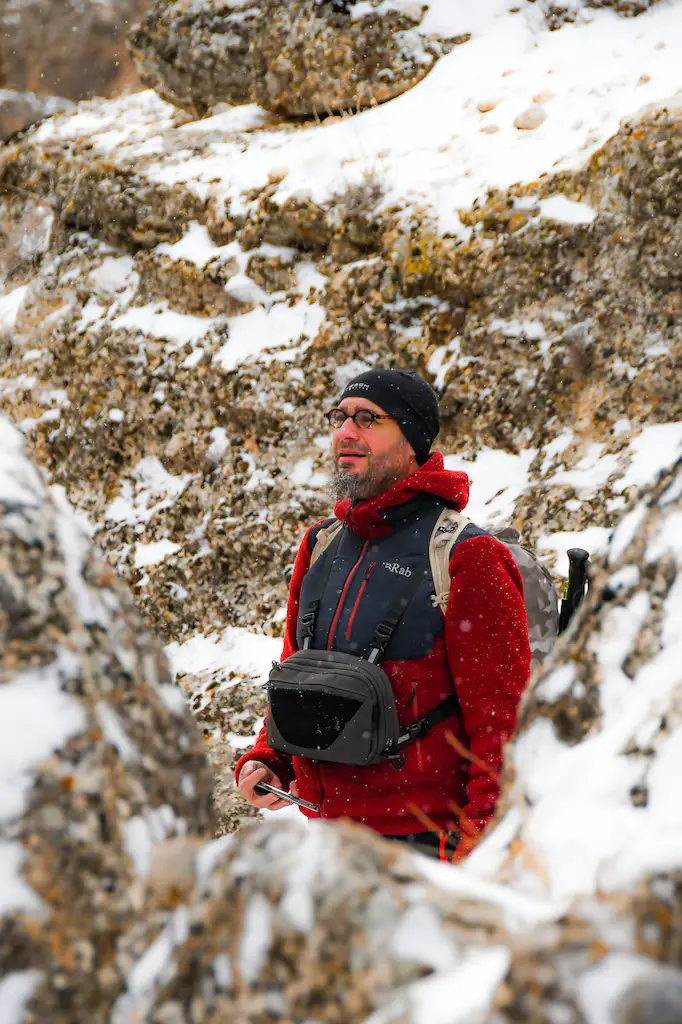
[329,706]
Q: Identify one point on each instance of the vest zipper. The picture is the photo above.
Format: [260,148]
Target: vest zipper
[357,599]
[337,613]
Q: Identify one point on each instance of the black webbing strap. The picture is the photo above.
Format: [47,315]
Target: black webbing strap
[444,710]
[309,617]
[396,610]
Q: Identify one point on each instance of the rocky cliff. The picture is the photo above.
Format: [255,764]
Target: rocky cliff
[180,310]
[136,306]
[183,296]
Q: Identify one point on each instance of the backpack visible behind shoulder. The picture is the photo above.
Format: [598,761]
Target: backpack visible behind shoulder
[542,604]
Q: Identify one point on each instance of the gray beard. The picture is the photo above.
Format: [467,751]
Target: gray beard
[346,485]
[370,485]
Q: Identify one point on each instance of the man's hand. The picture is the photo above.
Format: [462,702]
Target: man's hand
[251,774]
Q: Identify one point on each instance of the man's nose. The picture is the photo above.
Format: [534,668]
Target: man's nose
[348,430]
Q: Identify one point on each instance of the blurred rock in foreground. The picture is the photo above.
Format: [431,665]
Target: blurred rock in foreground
[99,764]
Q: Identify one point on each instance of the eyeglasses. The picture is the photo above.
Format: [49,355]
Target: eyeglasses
[363,418]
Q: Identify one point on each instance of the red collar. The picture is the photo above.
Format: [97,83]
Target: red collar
[367,518]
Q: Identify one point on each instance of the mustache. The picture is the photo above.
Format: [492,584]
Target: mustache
[351,450]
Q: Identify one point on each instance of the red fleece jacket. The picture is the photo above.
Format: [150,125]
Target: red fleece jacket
[483,653]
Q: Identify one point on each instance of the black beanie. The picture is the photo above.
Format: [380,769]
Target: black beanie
[407,398]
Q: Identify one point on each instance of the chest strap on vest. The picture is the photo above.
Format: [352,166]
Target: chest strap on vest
[445,709]
[309,617]
[396,610]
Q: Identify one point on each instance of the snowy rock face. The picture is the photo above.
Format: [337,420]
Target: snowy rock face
[176,354]
[73,49]
[293,57]
[99,761]
[593,804]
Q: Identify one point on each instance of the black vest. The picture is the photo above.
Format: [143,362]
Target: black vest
[365,577]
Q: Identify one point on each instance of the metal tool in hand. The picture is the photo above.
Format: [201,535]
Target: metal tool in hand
[264,787]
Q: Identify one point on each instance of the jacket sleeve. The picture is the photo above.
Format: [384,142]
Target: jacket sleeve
[281,764]
[486,635]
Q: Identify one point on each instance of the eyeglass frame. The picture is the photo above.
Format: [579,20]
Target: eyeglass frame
[352,416]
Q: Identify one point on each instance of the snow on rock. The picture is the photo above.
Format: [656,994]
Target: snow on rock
[206,323]
[329,923]
[599,72]
[567,211]
[87,747]
[592,804]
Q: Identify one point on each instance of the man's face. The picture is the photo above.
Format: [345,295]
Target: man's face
[369,460]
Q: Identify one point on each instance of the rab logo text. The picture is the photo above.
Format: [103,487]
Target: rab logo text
[400,570]
[359,386]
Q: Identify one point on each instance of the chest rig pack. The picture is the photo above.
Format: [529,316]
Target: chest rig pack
[328,705]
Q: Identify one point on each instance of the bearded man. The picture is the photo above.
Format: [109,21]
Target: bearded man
[390,490]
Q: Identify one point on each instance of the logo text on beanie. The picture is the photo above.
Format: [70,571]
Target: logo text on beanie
[360,385]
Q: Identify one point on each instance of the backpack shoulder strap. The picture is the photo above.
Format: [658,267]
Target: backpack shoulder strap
[449,527]
[325,536]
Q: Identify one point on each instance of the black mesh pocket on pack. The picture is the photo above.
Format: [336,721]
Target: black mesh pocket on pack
[310,719]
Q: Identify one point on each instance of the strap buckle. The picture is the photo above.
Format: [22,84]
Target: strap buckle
[308,620]
[395,756]
[413,732]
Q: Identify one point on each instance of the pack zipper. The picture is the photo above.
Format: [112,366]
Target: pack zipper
[337,613]
[358,598]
